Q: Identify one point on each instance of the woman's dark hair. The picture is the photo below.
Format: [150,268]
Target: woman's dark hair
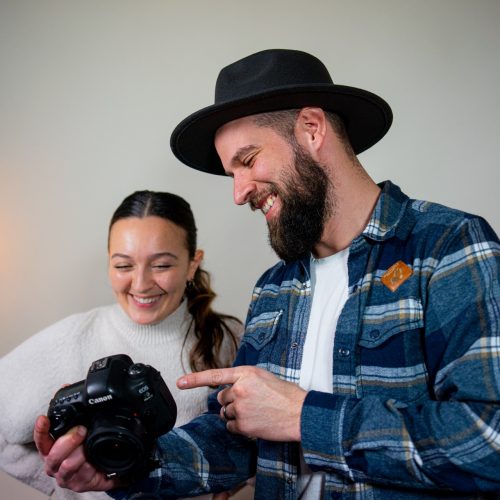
[210,327]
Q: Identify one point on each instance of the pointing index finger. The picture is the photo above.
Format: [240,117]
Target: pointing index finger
[219,376]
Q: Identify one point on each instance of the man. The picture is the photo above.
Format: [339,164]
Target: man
[370,366]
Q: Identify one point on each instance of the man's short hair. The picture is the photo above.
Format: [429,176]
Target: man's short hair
[283,122]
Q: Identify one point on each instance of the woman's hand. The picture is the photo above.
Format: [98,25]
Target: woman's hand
[65,459]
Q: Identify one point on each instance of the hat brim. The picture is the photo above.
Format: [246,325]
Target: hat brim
[367,118]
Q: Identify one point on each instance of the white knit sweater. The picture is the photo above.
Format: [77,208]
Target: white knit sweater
[61,354]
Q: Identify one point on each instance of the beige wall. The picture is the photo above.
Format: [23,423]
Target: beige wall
[90,91]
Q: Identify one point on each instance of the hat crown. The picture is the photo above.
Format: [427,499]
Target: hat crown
[273,80]
[269,70]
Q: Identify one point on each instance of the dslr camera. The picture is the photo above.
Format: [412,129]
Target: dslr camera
[125,406]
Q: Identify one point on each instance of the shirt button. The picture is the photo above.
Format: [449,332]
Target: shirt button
[294,345]
[262,336]
[289,480]
[375,334]
[344,352]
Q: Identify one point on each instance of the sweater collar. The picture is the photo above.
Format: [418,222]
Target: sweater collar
[172,327]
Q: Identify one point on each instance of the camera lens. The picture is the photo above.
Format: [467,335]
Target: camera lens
[116,446]
[116,453]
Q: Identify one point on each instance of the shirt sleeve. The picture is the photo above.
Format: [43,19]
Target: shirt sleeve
[451,440]
[197,458]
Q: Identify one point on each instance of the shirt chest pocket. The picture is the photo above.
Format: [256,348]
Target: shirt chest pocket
[260,332]
[391,355]
[380,323]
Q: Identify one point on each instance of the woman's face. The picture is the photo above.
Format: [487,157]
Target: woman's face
[149,266]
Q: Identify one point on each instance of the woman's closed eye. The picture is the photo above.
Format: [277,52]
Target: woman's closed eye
[123,267]
[161,266]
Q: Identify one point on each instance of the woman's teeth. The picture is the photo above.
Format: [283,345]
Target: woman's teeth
[146,300]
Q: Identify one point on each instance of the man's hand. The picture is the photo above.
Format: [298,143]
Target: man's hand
[65,460]
[256,404]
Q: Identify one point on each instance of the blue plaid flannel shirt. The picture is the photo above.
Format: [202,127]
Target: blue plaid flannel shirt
[415,404]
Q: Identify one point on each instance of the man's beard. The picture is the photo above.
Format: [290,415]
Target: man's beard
[305,205]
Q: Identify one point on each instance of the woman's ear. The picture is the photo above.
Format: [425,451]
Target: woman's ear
[195,263]
[311,128]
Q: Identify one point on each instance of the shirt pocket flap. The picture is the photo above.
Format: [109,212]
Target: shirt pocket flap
[261,329]
[380,323]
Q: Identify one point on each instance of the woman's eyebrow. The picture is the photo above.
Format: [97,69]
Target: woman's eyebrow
[164,254]
[154,256]
[120,255]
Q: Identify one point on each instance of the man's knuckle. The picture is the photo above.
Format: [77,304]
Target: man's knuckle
[252,370]
[217,377]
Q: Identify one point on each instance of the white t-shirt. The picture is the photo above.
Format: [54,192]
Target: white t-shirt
[329,286]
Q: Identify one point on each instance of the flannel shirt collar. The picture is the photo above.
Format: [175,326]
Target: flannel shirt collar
[387,216]
[386,219]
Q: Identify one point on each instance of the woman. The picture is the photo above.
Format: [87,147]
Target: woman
[163,318]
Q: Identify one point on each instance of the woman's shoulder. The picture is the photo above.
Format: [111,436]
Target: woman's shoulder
[236,327]
[58,340]
[231,341]
[76,323]
[36,368]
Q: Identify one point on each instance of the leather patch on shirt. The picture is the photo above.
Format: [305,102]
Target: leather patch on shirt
[396,275]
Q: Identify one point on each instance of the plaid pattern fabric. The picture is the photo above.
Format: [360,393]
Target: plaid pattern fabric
[415,405]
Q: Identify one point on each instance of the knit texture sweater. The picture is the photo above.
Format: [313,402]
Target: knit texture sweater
[62,353]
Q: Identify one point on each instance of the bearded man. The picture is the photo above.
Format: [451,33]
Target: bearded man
[370,363]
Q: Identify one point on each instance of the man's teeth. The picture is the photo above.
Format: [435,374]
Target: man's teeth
[146,300]
[268,204]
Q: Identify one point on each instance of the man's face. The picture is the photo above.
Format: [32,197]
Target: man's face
[281,180]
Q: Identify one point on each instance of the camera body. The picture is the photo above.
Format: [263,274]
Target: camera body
[125,407]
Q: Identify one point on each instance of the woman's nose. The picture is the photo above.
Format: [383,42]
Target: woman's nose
[142,280]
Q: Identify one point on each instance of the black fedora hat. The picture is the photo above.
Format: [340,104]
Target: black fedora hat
[271,80]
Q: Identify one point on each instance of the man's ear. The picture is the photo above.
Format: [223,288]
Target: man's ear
[311,129]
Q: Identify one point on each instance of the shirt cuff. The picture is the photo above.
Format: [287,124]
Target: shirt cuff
[321,430]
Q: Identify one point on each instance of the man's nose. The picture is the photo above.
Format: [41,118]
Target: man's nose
[244,188]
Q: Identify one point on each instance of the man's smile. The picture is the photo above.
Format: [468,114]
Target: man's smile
[268,203]
[265,203]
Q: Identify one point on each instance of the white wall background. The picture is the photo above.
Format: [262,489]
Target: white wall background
[90,91]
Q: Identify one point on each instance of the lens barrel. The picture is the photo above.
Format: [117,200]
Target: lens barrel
[117,445]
